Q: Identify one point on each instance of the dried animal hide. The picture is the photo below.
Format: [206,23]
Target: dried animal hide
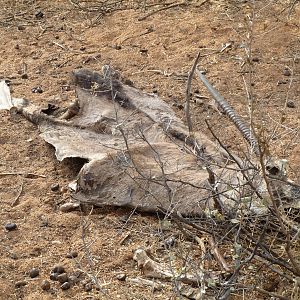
[140,154]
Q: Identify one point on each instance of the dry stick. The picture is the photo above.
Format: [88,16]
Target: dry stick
[262,291]
[234,277]
[18,196]
[22,173]
[86,248]
[217,254]
[188,95]
[294,262]
[161,9]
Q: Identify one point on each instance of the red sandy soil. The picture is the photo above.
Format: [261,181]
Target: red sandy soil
[48,49]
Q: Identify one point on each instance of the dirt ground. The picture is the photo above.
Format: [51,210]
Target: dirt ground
[156,54]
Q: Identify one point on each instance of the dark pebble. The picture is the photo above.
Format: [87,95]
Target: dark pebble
[62,278]
[72,254]
[128,82]
[20,283]
[121,276]
[54,187]
[45,285]
[21,27]
[65,286]
[34,272]
[24,76]
[11,226]
[82,48]
[117,47]
[73,279]
[37,90]
[255,59]
[88,287]
[39,14]
[287,72]
[170,242]
[290,104]
[58,269]
[53,276]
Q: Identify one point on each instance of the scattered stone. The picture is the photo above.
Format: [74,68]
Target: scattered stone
[72,254]
[45,285]
[117,47]
[62,278]
[290,104]
[73,279]
[54,187]
[144,51]
[21,27]
[255,59]
[34,272]
[121,276]
[82,48]
[65,286]
[13,255]
[24,76]
[70,206]
[37,90]
[53,276]
[20,283]
[10,226]
[165,225]
[286,72]
[88,287]
[124,218]
[58,269]
[170,242]
[128,82]
[17,47]
[39,14]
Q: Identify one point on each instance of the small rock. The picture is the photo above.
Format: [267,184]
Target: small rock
[128,82]
[121,276]
[37,90]
[165,225]
[45,285]
[20,283]
[255,59]
[34,272]
[117,47]
[54,187]
[70,206]
[58,269]
[286,72]
[39,14]
[24,76]
[17,47]
[82,48]
[144,51]
[65,286]
[53,276]
[170,242]
[10,226]
[21,27]
[290,104]
[62,278]
[72,254]
[73,279]
[88,287]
